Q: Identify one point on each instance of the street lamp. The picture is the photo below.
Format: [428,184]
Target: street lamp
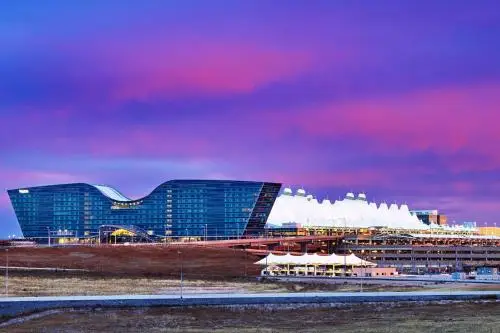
[345,247]
[6,272]
[182,278]
[267,270]
[48,234]
[362,268]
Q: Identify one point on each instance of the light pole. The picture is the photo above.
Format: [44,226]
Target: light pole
[345,246]
[6,272]
[182,278]
[267,271]
[345,263]
[206,232]
[48,235]
[362,268]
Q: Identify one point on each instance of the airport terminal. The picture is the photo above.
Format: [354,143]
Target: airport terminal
[261,218]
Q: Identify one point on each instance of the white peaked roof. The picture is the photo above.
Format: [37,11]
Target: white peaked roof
[353,260]
[313,259]
[347,212]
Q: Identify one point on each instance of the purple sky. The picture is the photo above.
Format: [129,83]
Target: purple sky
[396,98]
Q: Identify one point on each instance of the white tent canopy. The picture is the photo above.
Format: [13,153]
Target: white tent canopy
[313,259]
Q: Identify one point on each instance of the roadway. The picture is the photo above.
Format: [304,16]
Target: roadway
[257,241]
[11,306]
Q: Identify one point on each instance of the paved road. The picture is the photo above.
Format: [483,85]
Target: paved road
[17,305]
[399,280]
[388,294]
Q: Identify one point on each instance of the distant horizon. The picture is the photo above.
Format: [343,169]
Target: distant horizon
[395,99]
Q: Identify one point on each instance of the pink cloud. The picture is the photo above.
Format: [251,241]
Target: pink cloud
[158,68]
[480,210]
[443,120]
[154,140]
[19,178]
[343,178]
[463,187]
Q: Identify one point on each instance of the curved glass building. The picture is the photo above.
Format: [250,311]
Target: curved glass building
[176,208]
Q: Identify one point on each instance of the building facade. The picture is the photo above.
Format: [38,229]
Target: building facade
[176,208]
[431,217]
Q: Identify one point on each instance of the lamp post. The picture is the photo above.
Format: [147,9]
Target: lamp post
[345,247]
[48,235]
[267,271]
[206,232]
[182,277]
[6,272]
[362,268]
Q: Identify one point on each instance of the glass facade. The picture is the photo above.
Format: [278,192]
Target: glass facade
[177,208]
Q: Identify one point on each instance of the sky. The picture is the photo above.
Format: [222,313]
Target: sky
[398,99]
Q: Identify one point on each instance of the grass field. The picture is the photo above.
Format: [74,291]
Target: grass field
[71,284]
[368,318]
[140,261]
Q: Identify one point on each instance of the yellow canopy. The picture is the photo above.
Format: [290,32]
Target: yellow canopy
[122,232]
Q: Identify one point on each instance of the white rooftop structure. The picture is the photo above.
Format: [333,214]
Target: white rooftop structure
[314,259]
[111,193]
[352,211]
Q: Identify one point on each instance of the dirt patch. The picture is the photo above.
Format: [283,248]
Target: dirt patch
[402,317]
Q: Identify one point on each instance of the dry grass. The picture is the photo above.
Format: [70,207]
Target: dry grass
[141,261]
[368,318]
[61,285]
